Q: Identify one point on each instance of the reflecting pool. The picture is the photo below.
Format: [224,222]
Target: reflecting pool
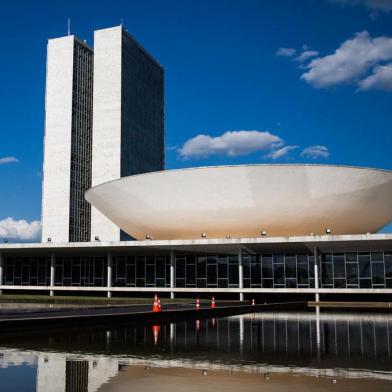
[269,351]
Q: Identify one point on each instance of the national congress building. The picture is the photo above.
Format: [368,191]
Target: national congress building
[115,222]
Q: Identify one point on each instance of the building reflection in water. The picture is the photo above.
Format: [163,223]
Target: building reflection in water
[314,344]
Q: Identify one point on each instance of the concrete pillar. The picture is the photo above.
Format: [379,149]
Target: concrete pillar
[52,271]
[109,275]
[240,273]
[172,272]
[1,271]
[316,275]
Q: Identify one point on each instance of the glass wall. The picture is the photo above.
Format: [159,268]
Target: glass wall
[141,271]
[80,271]
[29,271]
[275,270]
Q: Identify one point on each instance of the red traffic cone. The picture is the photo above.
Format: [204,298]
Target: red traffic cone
[213,303]
[197,303]
[155,305]
[159,305]
[253,302]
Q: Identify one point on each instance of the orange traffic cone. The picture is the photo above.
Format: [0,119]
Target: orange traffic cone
[213,303]
[197,303]
[155,305]
[253,302]
[159,305]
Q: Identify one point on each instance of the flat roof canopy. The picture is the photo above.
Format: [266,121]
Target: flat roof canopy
[324,244]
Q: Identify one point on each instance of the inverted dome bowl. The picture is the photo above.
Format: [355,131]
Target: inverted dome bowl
[242,201]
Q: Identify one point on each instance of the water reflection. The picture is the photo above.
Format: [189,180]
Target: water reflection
[318,345]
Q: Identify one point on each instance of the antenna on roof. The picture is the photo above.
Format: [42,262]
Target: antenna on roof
[69,26]
[122,22]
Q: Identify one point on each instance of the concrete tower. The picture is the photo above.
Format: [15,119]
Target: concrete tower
[67,145]
[128,116]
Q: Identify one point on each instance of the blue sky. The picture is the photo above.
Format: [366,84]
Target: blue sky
[261,81]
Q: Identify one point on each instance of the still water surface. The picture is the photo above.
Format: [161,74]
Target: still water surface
[262,351]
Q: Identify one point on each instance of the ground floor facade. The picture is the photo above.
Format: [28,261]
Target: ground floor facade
[307,264]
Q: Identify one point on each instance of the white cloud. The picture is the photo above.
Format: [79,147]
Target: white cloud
[315,152]
[306,55]
[381,79]
[8,160]
[376,5]
[350,62]
[286,52]
[231,143]
[280,152]
[20,230]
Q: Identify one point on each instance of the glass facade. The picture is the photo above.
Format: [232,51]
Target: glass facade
[275,270]
[80,271]
[29,271]
[81,143]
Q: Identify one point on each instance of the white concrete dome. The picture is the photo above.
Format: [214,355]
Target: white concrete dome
[243,201]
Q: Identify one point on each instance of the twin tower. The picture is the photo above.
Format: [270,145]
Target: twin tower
[104,119]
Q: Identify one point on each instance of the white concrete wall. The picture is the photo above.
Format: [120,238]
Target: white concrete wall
[51,372]
[57,142]
[106,156]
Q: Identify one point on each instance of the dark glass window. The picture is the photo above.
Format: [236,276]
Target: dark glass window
[233,274]
[140,269]
[364,265]
[365,283]
[291,267]
[340,283]
[302,273]
[291,283]
[352,273]
[222,268]
[377,256]
[246,267]
[278,258]
[256,274]
[388,264]
[160,267]
[150,274]
[211,275]
[190,272]
[378,273]
[180,268]
[351,257]
[267,267]
[326,273]
[278,274]
[201,268]
[268,283]
[338,266]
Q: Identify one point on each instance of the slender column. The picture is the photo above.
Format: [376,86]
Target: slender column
[316,274]
[109,273]
[1,271]
[52,262]
[240,273]
[172,272]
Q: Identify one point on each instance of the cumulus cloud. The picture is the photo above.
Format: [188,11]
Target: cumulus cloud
[350,62]
[306,55]
[231,143]
[375,5]
[381,79]
[5,160]
[286,52]
[280,152]
[20,230]
[315,152]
